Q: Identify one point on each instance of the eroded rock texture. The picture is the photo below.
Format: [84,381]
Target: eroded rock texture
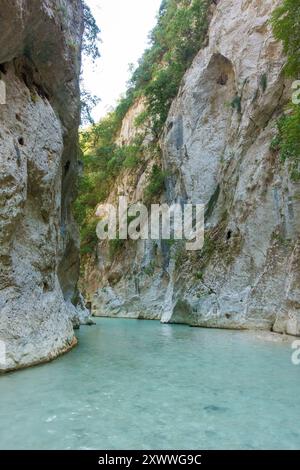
[216,147]
[224,159]
[40,48]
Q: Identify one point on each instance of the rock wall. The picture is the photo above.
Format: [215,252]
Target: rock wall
[223,157]
[40,49]
[216,149]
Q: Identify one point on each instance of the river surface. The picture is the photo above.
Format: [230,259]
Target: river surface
[141,385]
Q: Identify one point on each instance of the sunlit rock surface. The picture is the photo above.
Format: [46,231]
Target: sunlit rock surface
[39,62]
[216,149]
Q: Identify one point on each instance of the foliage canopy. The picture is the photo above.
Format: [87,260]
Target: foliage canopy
[173,43]
[286,27]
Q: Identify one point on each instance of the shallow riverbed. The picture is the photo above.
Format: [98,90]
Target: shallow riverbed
[137,384]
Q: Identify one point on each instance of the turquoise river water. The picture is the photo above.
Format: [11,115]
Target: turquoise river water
[141,385]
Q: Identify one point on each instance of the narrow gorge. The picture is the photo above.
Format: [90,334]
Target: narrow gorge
[215,148]
[211,143]
[40,50]
[100,192]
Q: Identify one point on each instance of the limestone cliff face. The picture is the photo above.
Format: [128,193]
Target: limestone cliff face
[40,49]
[223,157]
[216,149]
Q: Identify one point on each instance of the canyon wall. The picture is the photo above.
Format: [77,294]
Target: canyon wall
[216,150]
[40,54]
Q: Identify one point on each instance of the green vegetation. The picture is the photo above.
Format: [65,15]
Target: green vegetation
[131,155]
[91,32]
[180,31]
[88,234]
[181,255]
[103,162]
[281,239]
[150,269]
[210,245]
[90,48]
[88,102]
[115,246]
[263,82]
[287,141]
[170,243]
[141,119]
[155,186]
[285,22]
[199,275]
[236,103]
